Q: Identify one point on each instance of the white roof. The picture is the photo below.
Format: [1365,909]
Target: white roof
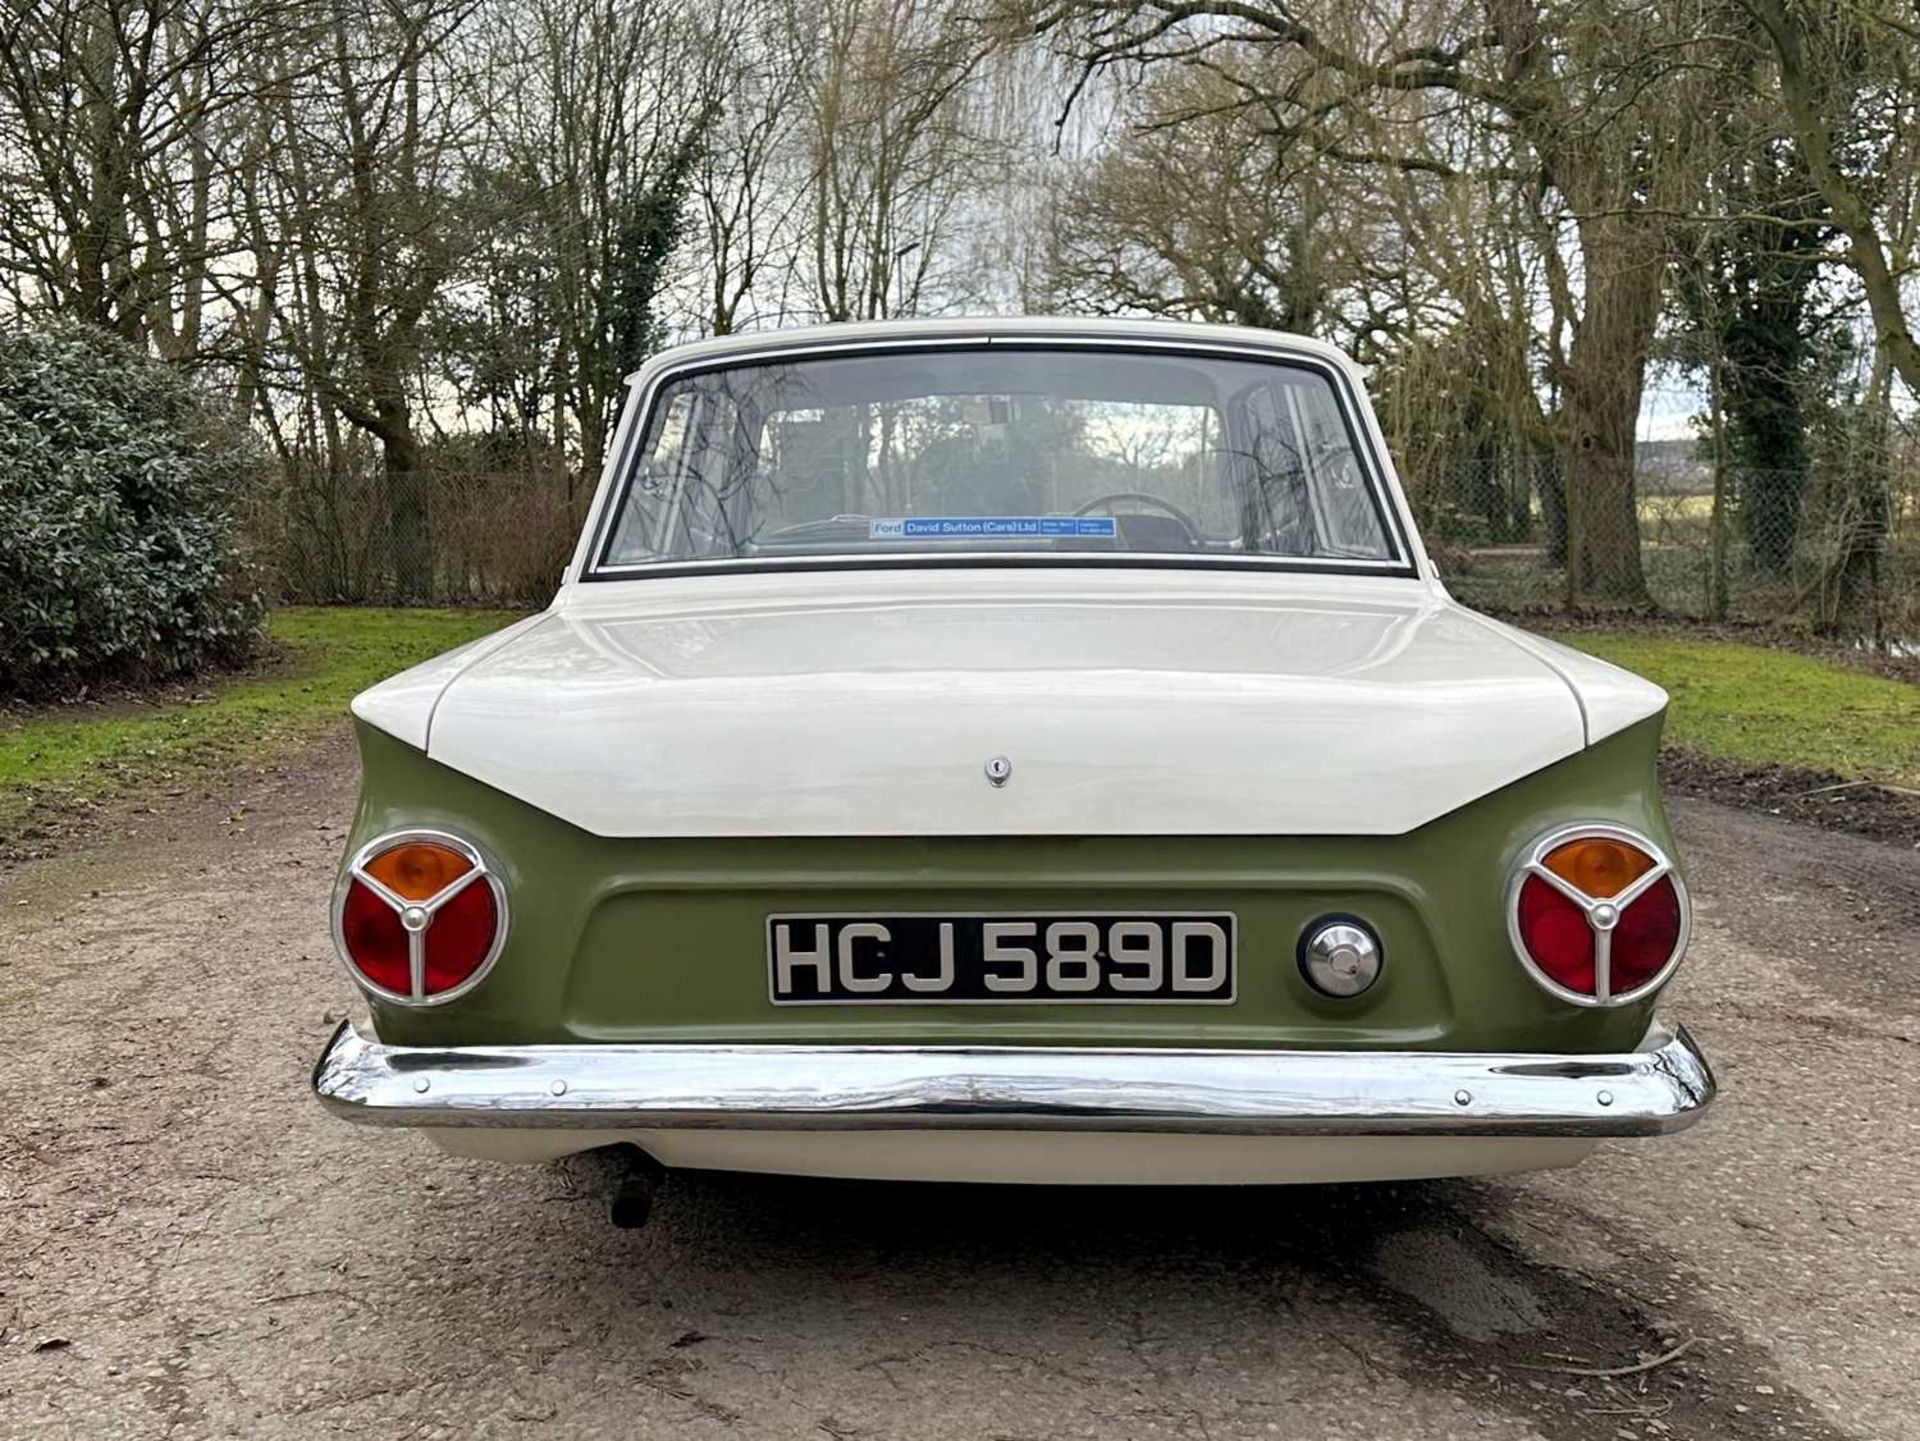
[988,329]
[1000,327]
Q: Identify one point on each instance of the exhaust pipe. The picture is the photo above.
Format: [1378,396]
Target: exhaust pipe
[633,1198]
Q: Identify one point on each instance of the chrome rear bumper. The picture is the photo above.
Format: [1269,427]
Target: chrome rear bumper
[1661,1087]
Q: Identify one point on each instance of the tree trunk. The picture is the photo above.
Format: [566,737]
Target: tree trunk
[1862,515]
[597,416]
[94,259]
[408,521]
[1606,374]
[1717,520]
[1821,149]
[1550,482]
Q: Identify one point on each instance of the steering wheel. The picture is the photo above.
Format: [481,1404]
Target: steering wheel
[1140,497]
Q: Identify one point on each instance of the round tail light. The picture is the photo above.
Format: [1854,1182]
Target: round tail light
[419,917]
[1597,915]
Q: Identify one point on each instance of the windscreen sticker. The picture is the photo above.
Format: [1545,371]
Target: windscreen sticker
[993,527]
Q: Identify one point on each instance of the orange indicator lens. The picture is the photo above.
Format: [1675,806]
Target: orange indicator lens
[1599,867]
[418,870]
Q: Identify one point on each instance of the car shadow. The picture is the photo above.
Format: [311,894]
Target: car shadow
[1311,1227]
[743,1288]
[1421,1278]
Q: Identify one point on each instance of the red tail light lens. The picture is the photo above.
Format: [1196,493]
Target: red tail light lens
[1646,935]
[420,917]
[1597,915]
[1556,935]
[373,938]
[458,940]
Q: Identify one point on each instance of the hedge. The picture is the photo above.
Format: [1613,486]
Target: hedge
[120,489]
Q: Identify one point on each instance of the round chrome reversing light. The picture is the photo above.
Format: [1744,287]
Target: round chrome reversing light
[1597,914]
[1340,956]
[419,917]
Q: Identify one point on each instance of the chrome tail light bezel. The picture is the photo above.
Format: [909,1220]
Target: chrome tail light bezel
[1533,863]
[482,873]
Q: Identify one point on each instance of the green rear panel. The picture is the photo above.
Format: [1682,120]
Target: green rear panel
[665,940]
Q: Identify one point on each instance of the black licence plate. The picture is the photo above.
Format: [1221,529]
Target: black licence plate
[1052,957]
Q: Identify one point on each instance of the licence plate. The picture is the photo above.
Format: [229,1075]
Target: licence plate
[1171,957]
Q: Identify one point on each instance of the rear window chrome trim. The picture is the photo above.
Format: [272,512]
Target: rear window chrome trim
[923,560]
[1401,564]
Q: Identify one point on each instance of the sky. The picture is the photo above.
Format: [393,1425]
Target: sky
[1668,405]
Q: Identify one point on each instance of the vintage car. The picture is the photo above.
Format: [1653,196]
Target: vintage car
[1011,750]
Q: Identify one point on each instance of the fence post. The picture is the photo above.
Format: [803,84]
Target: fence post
[1717,522]
[1570,499]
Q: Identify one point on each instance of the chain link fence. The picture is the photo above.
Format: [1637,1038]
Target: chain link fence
[468,530]
[1834,550]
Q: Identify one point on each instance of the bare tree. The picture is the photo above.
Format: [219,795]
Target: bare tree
[1200,210]
[1842,72]
[367,163]
[116,126]
[1579,104]
[891,152]
[599,114]
[748,186]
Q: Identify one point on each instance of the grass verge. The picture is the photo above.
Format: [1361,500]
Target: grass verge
[1752,705]
[66,759]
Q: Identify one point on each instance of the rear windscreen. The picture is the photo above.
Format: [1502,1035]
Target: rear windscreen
[999,451]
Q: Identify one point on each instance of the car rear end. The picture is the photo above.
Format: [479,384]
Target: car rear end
[1012,750]
[601,990]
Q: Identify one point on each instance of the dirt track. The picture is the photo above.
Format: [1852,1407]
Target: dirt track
[189,1247]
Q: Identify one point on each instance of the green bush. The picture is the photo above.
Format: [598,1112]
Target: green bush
[120,483]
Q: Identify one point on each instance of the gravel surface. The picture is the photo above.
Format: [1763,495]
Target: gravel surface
[189,1247]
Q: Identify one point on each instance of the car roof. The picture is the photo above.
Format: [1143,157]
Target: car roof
[988,329]
[999,327]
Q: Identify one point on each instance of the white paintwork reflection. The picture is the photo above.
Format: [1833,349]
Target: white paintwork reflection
[1612,698]
[402,705]
[866,702]
[1051,1158]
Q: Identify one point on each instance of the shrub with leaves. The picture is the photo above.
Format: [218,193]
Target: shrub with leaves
[120,483]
